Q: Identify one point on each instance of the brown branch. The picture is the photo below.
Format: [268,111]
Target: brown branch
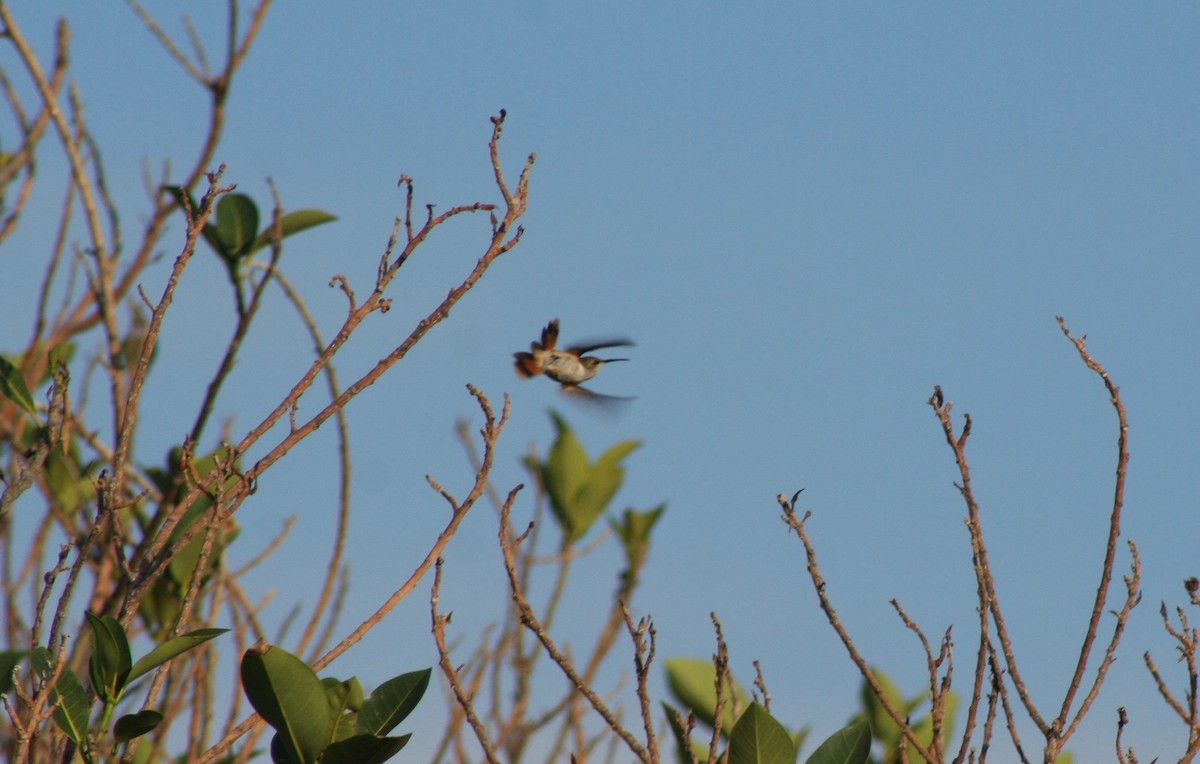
[529,619]
[798,524]
[643,658]
[1110,556]
[491,434]
[155,555]
[1187,639]
[986,589]
[344,468]
[465,699]
[721,683]
[939,684]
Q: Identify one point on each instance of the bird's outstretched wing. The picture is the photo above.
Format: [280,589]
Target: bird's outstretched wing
[610,404]
[587,347]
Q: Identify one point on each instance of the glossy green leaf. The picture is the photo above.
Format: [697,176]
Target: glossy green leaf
[850,745]
[364,749]
[356,697]
[9,659]
[237,225]
[12,386]
[110,661]
[71,711]
[693,683]
[758,738]
[293,222]
[392,701]
[291,698]
[171,648]
[134,725]
[341,697]
[280,754]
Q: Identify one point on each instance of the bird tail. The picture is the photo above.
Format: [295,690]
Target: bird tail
[526,365]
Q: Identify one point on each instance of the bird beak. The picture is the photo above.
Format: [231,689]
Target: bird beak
[612,360]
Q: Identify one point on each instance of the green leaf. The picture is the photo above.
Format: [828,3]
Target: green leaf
[364,749]
[350,693]
[798,738]
[292,222]
[758,738]
[61,353]
[580,491]
[130,726]
[8,664]
[392,701]
[12,386]
[279,750]
[71,713]
[564,473]
[291,698]
[634,532]
[67,479]
[850,745]
[693,683]
[237,225]
[110,661]
[171,648]
[602,483]
[345,699]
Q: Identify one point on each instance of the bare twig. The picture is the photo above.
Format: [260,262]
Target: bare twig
[529,619]
[1133,589]
[798,524]
[491,434]
[465,699]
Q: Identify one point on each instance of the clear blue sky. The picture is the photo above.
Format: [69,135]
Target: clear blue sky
[807,215]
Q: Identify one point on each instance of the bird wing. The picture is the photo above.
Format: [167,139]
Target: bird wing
[591,396]
[587,347]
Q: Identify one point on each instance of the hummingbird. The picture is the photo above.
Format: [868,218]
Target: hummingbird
[568,367]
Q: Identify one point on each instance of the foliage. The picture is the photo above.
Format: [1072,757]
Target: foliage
[123,551]
[131,547]
[327,720]
[579,490]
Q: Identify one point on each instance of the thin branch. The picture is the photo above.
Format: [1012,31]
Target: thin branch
[508,547]
[465,699]
[1110,556]
[798,524]
[491,434]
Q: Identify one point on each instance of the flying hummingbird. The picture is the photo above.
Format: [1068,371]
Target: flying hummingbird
[568,367]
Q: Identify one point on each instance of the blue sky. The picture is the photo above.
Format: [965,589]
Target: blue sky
[806,216]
